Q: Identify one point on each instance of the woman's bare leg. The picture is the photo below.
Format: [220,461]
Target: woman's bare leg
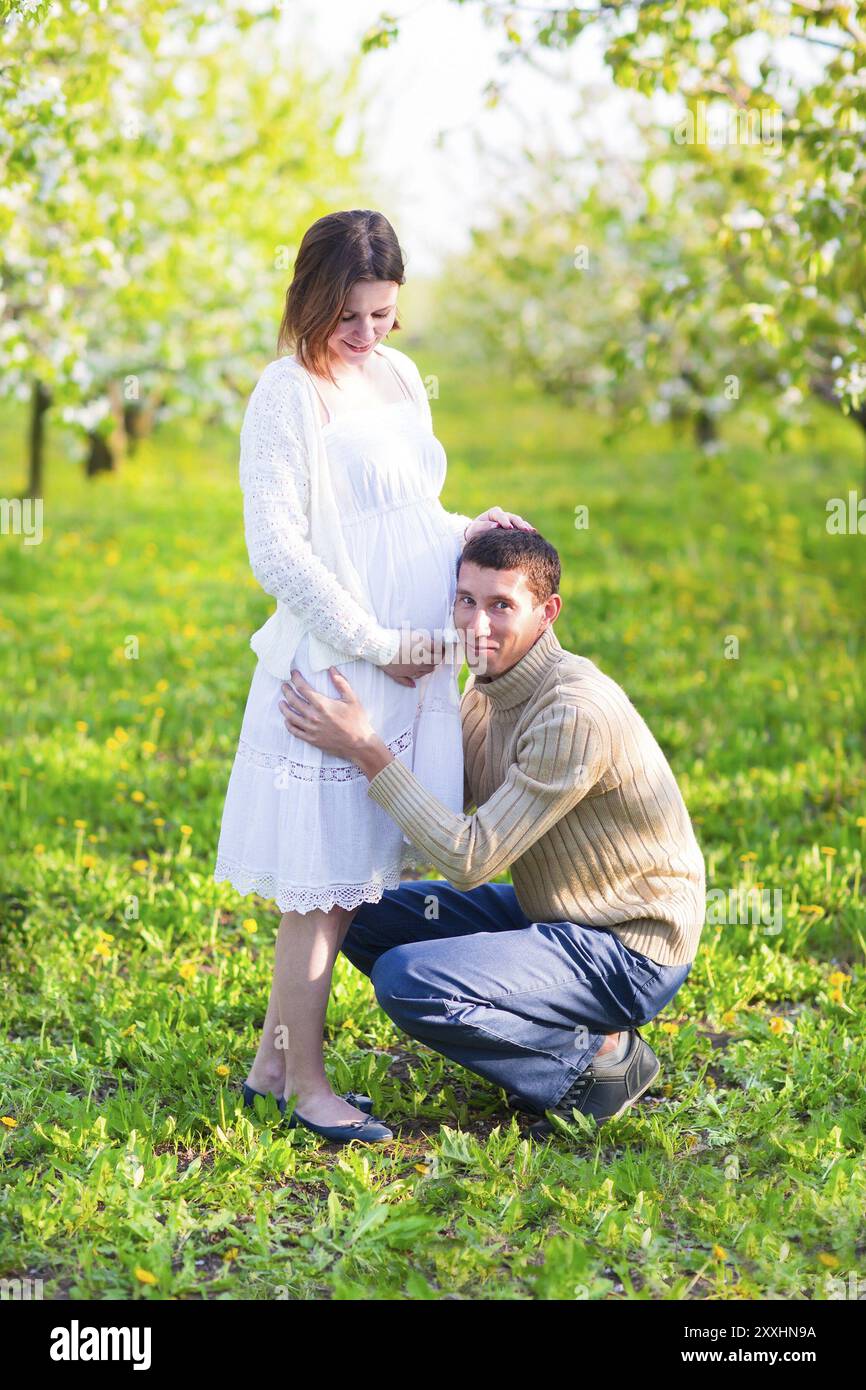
[289,1060]
[268,1071]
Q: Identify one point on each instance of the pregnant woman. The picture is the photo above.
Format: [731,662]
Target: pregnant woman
[341,475]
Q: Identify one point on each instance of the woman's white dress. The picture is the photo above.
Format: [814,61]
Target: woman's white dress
[298,825]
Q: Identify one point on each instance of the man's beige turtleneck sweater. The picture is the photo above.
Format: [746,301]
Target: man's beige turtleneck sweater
[575,795]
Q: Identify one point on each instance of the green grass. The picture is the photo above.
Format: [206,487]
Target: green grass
[134,987]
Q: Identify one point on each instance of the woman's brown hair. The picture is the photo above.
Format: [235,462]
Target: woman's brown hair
[336,251]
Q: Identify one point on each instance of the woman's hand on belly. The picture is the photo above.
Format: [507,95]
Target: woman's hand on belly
[422,649]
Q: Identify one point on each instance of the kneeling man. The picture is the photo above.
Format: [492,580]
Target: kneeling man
[540,985]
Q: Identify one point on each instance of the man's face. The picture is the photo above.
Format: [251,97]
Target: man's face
[498,617]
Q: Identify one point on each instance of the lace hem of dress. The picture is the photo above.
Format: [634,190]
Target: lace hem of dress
[294,898]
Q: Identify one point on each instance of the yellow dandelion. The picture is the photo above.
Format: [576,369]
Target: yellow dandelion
[231,1254]
[112,743]
[158,820]
[144,1276]
[828,850]
[719,1252]
[749,855]
[250,924]
[777,1025]
[861,821]
[81,725]
[148,747]
[88,861]
[127,1032]
[161,684]
[186,830]
[80,824]
[188,969]
[670,1027]
[831,1261]
[839,978]
[121,735]
[61,820]
[102,949]
[9,1122]
[136,796]
[141,866]
[421,1168]
[222,1070]
[836,996]
[38,849]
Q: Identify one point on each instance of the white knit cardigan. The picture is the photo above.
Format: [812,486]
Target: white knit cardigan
[293,529]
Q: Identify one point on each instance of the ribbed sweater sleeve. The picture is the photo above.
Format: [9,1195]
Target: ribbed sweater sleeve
[557,761]
[468,798]
[274,478]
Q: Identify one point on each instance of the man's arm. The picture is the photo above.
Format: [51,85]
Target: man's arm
[558,760]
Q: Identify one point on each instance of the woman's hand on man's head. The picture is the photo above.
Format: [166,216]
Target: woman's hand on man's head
[496,516]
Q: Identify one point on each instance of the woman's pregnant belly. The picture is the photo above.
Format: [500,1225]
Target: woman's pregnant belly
[406,557]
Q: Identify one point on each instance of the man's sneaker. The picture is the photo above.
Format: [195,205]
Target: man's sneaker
[516,1102]
[606,1092]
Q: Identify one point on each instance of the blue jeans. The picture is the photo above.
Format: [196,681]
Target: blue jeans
[525,1004]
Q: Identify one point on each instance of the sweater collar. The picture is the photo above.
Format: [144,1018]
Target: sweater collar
[523,679]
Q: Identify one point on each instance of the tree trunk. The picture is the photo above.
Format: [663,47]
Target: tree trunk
[705,428]
[107,451]
[40,402]
[703,424]
[139,418]
[100,459]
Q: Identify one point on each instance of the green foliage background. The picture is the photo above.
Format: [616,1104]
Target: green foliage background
[129,1168]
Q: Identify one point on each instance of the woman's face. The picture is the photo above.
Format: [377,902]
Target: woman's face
[368,315]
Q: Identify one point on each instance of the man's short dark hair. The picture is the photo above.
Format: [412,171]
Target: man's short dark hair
[509,548]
